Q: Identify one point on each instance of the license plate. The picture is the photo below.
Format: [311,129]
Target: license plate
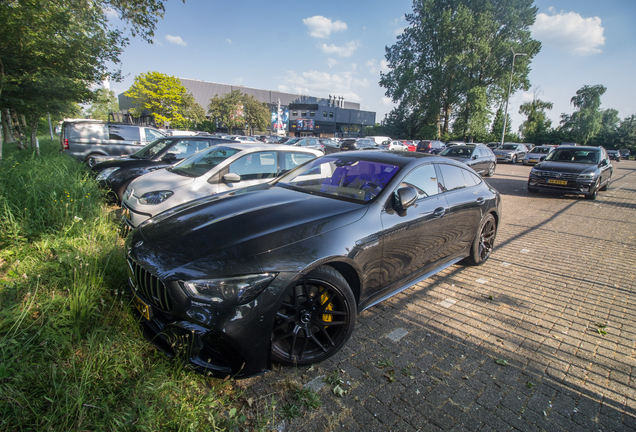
[345,148]
[142,307]
[558,182]
[533,160]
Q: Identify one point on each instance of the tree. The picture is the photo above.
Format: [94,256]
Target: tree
[453,60]
[104,102]
[237,110]
[497,126]
[626,133]
[586,121]
[536,127]
[161,95]
[67,40]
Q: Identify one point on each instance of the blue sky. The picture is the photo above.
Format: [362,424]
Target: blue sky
[338,47]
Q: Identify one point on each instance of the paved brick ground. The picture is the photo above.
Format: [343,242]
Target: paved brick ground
[541,337]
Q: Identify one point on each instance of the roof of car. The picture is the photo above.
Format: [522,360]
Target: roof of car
[264,147]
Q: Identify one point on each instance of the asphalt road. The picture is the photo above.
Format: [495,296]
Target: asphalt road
[541,337]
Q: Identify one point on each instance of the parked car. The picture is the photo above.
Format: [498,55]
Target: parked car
[478,157]
[573,169]
[455,143]
[218,169]
[614,155]
[624,153]
[493,145]
[278,272]
[534,156]
[82,139]
[379,139]
[115,174]
[358,144]
[511,152]
[321,144]
[410,145]
[430,146]
[393,145]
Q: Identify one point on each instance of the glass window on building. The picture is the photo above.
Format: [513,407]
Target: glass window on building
[330,115]
[324,114]
[303,113]
[312,114]
[294,113]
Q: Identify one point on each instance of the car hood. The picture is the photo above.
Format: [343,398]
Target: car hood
[565,167]
[246,223]
[502,152]
[159,180]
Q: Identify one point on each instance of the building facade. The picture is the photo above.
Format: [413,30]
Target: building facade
[308,115]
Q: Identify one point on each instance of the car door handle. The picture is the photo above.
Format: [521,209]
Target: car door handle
[480,200]
[439,212]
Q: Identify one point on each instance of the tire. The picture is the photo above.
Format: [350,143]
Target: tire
[491,170]
[607,185]
[303,333]
[514,159]
[594,194]
[87,160]
[484,242]
[122,189]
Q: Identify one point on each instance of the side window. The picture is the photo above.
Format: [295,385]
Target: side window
[292,160]
[185,148]
[123,133]
[256,166]
[453,177]
[424,180]
[152,135]
[91,131]
[470,178]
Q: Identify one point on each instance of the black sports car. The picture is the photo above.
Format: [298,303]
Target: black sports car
[278,272]
[573,169]
[116,173]
[478,157]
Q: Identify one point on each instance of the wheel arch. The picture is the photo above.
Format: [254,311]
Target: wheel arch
[349,274]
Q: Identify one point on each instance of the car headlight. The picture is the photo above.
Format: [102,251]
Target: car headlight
[104,174]
[227,291]
[590,176]
[155,197]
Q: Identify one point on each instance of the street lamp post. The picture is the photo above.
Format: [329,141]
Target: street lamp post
[512,69]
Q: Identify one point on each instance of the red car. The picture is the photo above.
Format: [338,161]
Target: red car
[410,145]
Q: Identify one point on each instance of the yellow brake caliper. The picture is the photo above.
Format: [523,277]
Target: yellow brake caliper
[323,300]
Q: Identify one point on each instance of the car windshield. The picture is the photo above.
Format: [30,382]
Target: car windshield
[576,156]
[202,162]
[542,150]
[356,180]
[508,147]
[152,149]
[458,151]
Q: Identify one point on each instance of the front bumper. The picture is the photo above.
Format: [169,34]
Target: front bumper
[133,218]
[571,185]
[217,340]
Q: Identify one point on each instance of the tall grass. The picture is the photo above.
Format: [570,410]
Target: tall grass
[71,353]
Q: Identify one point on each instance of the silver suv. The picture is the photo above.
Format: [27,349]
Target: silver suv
[83,139]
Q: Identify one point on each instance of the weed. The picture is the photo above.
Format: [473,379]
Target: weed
[385,363]
[308,398]
[290,411]
[333,378]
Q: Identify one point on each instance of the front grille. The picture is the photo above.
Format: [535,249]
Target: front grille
[150,287]
[552,174]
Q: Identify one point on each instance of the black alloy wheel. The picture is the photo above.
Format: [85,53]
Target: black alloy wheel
[315,320]
[484,242]
[607,185]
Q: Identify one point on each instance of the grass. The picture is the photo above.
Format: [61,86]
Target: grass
[71,353]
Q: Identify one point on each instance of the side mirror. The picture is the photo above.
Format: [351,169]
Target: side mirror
[231,178]
[169,157]
[404,198]
[474,156]
[604,162]
[542,158]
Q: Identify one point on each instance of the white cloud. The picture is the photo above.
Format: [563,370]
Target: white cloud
[375,67]
[569,32]
[175,40]
[321,27]
[399,24]
[228,40]
[342,51]
[332,62]
[387,102]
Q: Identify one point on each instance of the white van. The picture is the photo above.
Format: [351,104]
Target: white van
[379,139]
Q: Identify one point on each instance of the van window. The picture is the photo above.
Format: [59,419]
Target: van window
[123,133]
[92,131]
[152,135]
